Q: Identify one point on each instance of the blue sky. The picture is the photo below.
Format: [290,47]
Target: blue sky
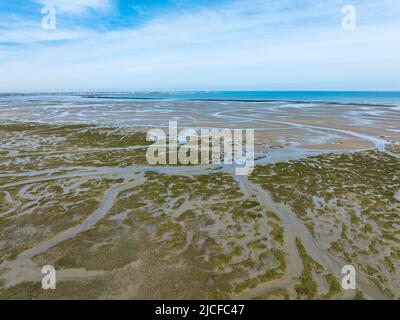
[199,45]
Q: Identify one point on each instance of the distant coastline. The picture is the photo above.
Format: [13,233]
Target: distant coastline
[374,98]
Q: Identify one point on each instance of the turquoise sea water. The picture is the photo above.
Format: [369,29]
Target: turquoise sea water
[298,96]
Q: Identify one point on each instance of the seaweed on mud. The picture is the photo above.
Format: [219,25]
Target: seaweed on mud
[354,194]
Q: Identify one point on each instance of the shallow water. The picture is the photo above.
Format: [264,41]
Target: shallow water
[294,130]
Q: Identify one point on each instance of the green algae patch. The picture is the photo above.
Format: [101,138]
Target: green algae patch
[347,201]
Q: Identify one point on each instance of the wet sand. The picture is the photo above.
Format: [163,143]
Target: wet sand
[323,125]
[50,165]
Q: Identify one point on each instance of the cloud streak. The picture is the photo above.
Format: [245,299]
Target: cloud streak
[77,7]
[243,45]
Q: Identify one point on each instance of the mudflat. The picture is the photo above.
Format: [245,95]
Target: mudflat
[77,192]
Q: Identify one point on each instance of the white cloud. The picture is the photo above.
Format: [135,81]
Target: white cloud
[239,46]
[33,33]
[24,32]
[77,7]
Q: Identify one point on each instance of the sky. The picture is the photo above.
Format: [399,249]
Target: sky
[132,45]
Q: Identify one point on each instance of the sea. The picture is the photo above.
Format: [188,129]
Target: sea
[359,97]
[342,97]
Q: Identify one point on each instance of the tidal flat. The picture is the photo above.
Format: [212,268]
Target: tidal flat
[122,229]
[82,198]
